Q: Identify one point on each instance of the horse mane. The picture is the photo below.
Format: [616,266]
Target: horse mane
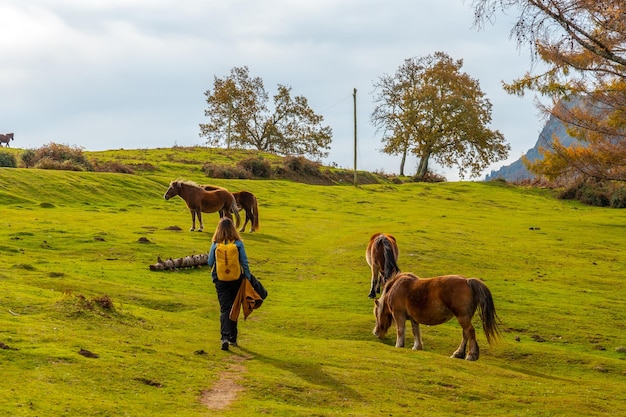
[391,281]
[187,182]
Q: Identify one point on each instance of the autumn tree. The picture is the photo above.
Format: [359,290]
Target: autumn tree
[433,110]
[583,46]
[240,116]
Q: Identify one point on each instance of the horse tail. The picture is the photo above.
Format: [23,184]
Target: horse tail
[391,265]
[484,301]
[255,214]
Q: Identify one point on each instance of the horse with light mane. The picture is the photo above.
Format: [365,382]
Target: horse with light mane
[6,138]
[382,257]
[245,201]
[432,301]
[201,201]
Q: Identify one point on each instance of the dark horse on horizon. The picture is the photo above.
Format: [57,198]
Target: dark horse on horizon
[6,138]
[433,301]
[382,257]
[200,201]
[245,201]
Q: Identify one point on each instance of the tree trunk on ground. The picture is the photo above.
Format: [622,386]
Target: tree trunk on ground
[191,261]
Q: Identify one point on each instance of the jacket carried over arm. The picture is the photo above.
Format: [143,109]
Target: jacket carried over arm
[247,299]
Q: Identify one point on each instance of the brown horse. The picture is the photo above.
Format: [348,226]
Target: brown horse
[199,200]
[245,201]
[434,301]
[382,257]
[6,138]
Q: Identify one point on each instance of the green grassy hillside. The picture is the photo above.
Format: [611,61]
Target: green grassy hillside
[74,254]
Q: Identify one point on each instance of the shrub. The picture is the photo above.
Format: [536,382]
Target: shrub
[224,171]
[302,166]
[618,198]
[7,160]
[28,158]
[62,157]
[430,177]
[256,167]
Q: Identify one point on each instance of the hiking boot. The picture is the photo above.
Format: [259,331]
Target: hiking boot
[232,342]
[224,344]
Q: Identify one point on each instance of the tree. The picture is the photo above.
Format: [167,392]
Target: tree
[432,109]
[239,116]
[583,44]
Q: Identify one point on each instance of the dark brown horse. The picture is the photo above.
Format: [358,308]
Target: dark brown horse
[382,257]
[201,201]
[6,138]
[434,301]
[245,201]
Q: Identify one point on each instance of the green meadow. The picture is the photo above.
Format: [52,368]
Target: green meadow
[86,329]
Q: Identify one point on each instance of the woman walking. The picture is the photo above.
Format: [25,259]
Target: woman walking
[229,264]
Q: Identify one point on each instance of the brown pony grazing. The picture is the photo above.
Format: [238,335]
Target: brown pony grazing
[433,301]
[382,257]
[199,200]
[245,201]
[6,139]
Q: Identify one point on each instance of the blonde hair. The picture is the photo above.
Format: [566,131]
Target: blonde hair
[225,230]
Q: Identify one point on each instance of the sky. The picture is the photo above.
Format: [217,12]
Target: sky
[131,74]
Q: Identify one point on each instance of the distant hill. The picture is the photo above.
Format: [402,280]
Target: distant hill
[517,171]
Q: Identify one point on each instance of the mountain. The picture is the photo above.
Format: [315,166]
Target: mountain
[517,171]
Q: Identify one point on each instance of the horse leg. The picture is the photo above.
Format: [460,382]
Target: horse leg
[248,217]
[193,221]
[400,320]
[469,337]
[417,335]
[201,228]
[375,286]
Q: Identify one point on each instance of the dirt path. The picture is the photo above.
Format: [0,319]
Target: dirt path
[226,388]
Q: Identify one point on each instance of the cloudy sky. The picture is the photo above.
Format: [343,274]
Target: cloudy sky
[110,74]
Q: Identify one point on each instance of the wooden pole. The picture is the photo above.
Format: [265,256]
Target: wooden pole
[355,147]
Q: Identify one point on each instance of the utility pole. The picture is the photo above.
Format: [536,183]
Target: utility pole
[354,96]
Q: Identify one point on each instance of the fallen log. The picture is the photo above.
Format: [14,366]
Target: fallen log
[190,261]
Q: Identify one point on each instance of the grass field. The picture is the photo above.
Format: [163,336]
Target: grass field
[74,278]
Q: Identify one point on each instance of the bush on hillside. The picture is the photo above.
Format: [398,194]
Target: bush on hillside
[224,171]
[49,163]
[429,177]
[257,167]
[55,156]
[596,193]
[28,158]
[302,166]
[7,160]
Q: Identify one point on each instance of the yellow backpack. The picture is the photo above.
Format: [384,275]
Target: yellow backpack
[227,261]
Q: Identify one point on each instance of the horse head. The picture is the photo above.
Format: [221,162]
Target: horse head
[173,190]
[383,318]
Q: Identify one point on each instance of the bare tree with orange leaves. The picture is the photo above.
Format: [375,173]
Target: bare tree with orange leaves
[583,43]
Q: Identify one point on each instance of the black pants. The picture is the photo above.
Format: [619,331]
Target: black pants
[226,293]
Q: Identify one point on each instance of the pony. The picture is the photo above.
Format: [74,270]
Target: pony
[201,201]
[6,139]
[432,301]
[245,201]
[382,256]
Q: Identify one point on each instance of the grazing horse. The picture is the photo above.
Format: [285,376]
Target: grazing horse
[434,301]
[382,257]
[245,201]
[199,200]
[6,138]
